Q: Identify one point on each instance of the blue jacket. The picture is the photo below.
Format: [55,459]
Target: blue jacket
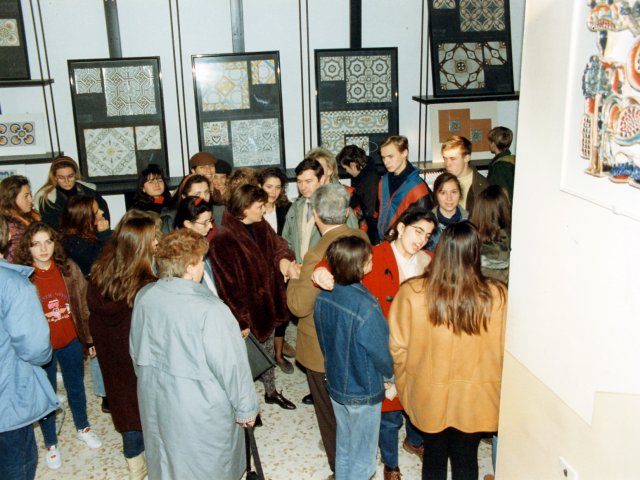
[25,392]
[354,338]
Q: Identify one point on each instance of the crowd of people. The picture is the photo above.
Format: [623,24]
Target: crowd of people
[398,293]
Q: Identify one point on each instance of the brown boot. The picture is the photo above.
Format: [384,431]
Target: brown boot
[417,451]
[137,467]
[392,474]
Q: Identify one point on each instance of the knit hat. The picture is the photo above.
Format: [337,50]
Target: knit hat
[202,159]
[223,167]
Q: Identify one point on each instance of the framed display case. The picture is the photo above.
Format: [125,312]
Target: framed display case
[357,98]
[470,43]
[239,107]
[119,117]
[14,60]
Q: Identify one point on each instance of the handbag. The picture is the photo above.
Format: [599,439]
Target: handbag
[259,360]
[252,450]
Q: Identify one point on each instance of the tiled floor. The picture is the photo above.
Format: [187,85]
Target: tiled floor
[289,441]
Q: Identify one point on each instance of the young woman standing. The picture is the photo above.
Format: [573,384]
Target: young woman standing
[447,191]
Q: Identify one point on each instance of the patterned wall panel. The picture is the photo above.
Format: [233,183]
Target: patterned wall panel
[110,151]
[14,60]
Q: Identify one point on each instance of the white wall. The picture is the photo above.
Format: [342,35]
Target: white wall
[76,29]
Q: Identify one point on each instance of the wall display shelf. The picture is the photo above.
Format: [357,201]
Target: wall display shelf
[26,83]
[239,107]
[119,117]
[501,97]
[357,97]
[46,157]
[14,60]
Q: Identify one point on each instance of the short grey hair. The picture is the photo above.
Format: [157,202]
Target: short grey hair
[330,203]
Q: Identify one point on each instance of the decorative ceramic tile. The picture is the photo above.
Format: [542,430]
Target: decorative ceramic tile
[9,33]
[17,134]
[333,141]
[453,122]
[130,91]
[368,79]
[442,4]
[461,66]
[479,134]
[88,80]
[495,53]
[226,86]
[110,151]
[482,15]
[148,138]
[359,141]
[585,138]
[215,133]
[354,121]
[255,142]
[331,69]
[263,72]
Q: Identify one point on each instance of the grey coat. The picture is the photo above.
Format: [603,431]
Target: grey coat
[194,382]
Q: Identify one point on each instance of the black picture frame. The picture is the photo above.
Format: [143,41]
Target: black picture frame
[118,112]
[14,57]
[357,98]
[470,45]
[239,107]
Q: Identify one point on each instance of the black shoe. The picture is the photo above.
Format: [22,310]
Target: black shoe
[258,422]
[307,399]
[105,405]
[277,398]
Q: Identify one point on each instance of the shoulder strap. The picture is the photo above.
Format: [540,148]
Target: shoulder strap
[250,445]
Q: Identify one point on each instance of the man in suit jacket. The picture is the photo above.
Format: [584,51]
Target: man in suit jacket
[330,210]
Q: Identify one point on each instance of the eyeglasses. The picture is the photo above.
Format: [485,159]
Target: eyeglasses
[65,178]
[157,181]
[421,233]
[205,223]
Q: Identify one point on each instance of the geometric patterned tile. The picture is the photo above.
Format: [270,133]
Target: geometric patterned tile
[495,53]
[368,79]
[482,15]
[453,122]
[461,66]
[333,141]
[148,138]
[331,69]
[358,141]
[255,142]
[215,133]
[226,86]
[88,80]
[263,72]
[479,135]
[9,32]
[129,90]
[442,4]
[110,151]
[17,134]
[335,125]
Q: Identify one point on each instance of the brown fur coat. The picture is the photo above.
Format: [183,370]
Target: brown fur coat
[248,275]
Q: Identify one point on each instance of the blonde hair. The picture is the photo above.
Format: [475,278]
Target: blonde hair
[51,183]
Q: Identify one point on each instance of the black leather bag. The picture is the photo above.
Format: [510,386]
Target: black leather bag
[252,451]
[259,360]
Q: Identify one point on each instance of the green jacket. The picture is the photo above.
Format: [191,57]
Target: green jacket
[501,171]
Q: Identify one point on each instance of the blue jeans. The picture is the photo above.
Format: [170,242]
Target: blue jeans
[390,424]
[132,443]
[72,367]
[18,454]
[96,378]
[357,428]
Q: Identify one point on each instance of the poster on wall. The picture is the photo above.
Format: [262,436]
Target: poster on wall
[23,134]
[469,120]
[357,98]
[601,161]
[14,60]
[119,117]
[470,42]
[239,108]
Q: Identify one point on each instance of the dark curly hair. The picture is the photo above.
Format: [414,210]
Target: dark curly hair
[23,252]
[275,172]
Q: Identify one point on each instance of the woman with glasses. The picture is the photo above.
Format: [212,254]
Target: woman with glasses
[63,182]
[398,258]
[152,193]
[195,214]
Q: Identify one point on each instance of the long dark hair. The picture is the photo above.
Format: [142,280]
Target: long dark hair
[125,264]
[275,172]
[152,171]
[23,254]
[78,218]
[9,189]
[184,187]
[458,296]
[492,213]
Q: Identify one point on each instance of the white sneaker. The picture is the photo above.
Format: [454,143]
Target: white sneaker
[54,460]
[88,437]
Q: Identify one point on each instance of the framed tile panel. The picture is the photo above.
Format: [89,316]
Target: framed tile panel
[357,98]
[470,42]
[119,117]
[14,60]
[239,107]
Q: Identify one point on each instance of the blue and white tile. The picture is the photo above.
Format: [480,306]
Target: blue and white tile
[223,86]
[129,90]
[87,80]
[148,137]
[255,142]
[215,133]
[263,72]
[110,151]
[331,69]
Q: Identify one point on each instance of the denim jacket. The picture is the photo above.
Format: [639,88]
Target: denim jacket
[354,338]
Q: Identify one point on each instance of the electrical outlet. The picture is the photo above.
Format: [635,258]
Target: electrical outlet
[567,471]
